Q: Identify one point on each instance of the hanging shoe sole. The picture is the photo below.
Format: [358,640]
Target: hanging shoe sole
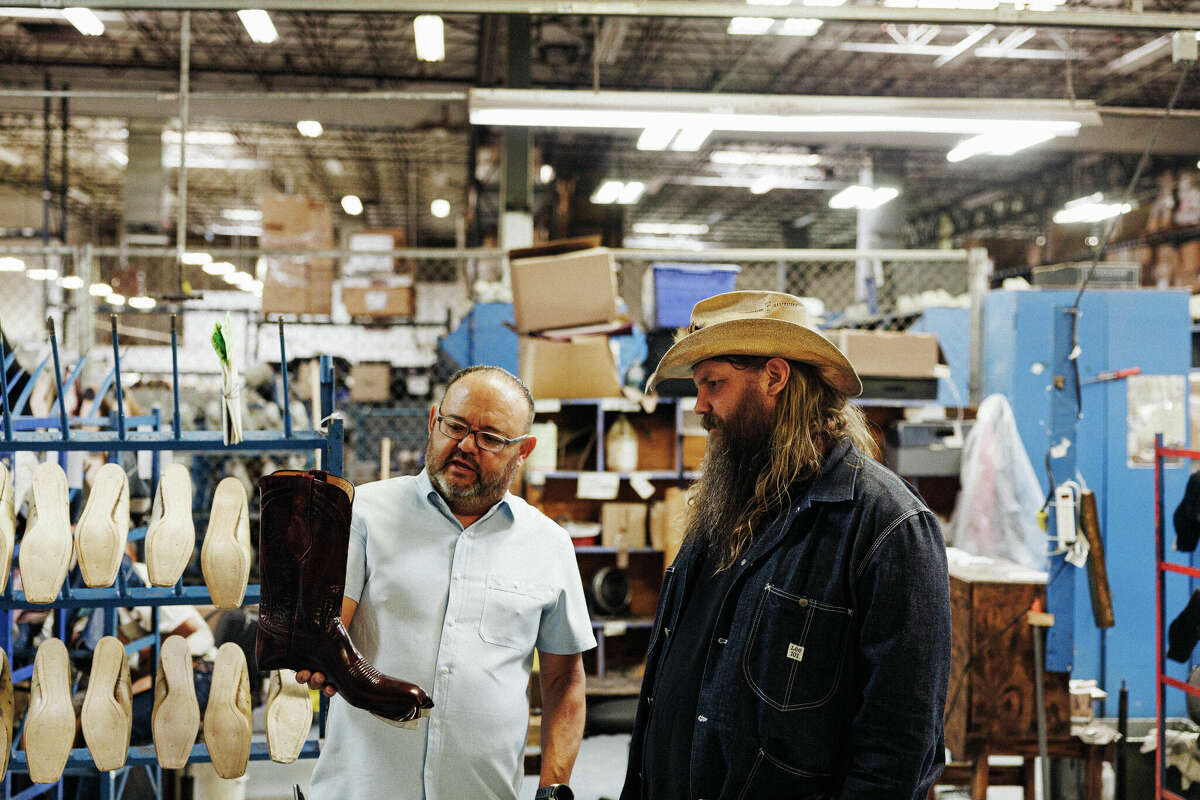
[227,716]
[107,716]
[6,713]
[176,717]
[50,723]
[46,547]
[8,524]
[171,537]
[289,716]
[104,527]
[225,555]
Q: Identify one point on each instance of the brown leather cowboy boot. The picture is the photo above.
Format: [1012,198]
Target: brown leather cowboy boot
[303,537]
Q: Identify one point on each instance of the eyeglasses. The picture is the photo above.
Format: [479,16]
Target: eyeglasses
[484,440]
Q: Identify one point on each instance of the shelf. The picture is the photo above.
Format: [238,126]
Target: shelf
[549,405]
[654,475]
[80,761]
[133,596]
[598,549]
[191,441]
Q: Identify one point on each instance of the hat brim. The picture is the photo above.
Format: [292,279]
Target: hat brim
[758,337]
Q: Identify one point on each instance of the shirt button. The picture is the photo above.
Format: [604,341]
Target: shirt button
[449,623]
[701,718]
[445,670]
[437,723]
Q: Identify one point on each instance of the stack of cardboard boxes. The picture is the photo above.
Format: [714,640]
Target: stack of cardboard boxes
[297,284]
[564,306]
[377,286]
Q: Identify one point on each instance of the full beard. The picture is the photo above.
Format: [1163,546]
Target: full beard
[738,452]
[481,494]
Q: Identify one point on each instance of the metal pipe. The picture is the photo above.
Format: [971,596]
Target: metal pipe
[287,397]
[58,382]
[726,9]
[173,97]
[185,62]
[117,380]
[178,429]
[47,187]
[1041,709]
[4,395]
[62,189]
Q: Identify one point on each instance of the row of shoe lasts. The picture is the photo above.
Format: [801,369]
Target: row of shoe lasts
[106,718]
[103,529]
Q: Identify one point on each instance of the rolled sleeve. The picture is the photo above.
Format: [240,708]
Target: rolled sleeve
[896,742]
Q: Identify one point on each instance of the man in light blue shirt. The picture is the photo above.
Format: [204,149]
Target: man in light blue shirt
[452,582]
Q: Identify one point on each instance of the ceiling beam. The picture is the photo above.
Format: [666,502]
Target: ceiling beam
[1146,20]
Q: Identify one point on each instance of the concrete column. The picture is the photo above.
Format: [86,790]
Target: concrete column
[144,209]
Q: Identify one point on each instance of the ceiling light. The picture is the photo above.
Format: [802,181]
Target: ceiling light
[201,160]
[254,286]
[115,299]
[214,138]
[863,197]
[258,25]
[1090,209]
[196,259]
[84,20]
[671,228]
[100,290]
[763,185]
[440,208]
[1000,143]
[11,264]
[608,193]
[71,282]
[219,268]
[352,205]
[742,158]
[690,140]
[118,155]
[1092,241]
[142,303]
[631,193]
[238,278]
[656,138]
[334,167]
[545,173]
[749,26]
[800,26]
[310,128]
[431,43]
[243,214]
[9,157]
[41,274]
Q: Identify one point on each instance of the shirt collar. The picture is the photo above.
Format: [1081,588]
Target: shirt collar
[431,494]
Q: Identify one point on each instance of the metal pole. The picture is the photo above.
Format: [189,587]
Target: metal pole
[178,429]
[117,379]
[979,268]
[287,396]
[47,188]
[1041,709]
[185,60]
[4,394]
[62,190]
[1160,604]
[58,382]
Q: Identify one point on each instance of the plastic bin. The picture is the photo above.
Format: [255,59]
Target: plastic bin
[673,289]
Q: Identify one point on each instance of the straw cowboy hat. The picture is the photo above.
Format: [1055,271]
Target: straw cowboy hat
[755,324]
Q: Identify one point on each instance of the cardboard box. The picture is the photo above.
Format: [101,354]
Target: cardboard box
[292,286]
[371,382]
[693,451]
[668,524]
[582,367]
[889,354]
[297,222]
[377,239]
[563,291]
[297,284]
[380,296]
[623,525]
[1188,269]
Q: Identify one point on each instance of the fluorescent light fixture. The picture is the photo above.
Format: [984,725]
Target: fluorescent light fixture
[631,192]
[608,193]
[767,113]
[440,208]
[41,274]
[745,158]
[71,282]
[11,264]
[202,160]
[100,290]
[763,185]
[1001,143]
[196,259]
[863,197]
[800,26]
[258,25]
[430,38]
[213,138]
[334,167]
[545,173]
[255,286]
[1090,209]
[749,26]
[670,228]
[84,20]
[242,214]
[310,128]
[656,138]
[690,140]
[115,299]
[9,157]
[142,302]
[219,268]
[238,278]
[117,155]
[352,205]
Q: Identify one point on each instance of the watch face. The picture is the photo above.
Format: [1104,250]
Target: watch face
[558,791]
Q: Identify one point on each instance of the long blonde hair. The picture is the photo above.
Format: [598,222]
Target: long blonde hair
[810,417]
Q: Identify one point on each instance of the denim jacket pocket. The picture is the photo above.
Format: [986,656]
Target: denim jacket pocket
[770,777]
[795,650]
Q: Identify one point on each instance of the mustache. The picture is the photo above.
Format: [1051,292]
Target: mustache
[709,421]
[470,462]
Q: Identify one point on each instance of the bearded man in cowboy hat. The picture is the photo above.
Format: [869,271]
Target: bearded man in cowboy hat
[802,643]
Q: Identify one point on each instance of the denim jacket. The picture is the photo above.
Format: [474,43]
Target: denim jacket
[827,674]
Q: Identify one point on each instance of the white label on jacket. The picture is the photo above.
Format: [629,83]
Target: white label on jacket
[795,652]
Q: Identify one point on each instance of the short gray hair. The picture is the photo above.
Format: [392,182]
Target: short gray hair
[513,380]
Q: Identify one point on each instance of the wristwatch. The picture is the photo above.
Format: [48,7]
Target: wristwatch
[556,791]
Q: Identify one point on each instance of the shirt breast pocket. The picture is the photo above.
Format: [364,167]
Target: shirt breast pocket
[512,612]
[795,650]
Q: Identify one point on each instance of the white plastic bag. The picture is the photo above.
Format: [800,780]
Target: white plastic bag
[996,511]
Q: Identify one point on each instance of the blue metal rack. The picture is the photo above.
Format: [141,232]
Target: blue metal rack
[60,434]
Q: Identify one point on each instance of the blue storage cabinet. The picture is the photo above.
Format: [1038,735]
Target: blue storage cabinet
[1117,328]
[952,326]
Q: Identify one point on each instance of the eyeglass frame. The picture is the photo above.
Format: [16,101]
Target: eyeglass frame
[439,418]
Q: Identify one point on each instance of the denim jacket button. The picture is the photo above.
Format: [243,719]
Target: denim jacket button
[702,718]
[804,602]
[721,640]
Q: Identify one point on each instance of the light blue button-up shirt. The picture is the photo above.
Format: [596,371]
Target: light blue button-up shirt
[458,612]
